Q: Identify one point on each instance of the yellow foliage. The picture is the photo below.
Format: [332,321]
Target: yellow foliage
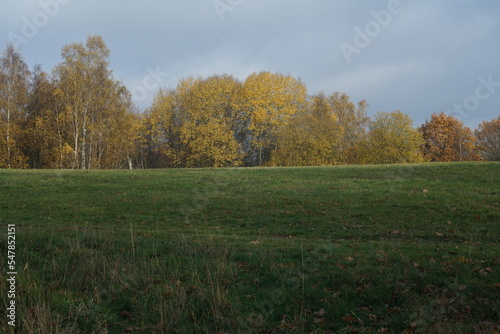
[83,118]
[215,146]
[392,139]
[270,100]
[199,122]
[14,76]
[311,138]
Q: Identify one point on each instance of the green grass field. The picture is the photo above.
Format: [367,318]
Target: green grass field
[347,249]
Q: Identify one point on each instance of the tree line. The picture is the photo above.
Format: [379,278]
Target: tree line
[80,117]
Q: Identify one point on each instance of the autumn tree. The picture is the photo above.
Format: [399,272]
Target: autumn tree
[200,123]
[45,133]
[215,122]
[352,118]
[14,79]
[488,139]
[119,144]
[114,131]
[81,117]
[95,103]
[392,139]
[447,139]
[312,137]
[160,136]
[270,100]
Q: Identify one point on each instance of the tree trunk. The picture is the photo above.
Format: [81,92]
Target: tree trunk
[84,143]
[7,135]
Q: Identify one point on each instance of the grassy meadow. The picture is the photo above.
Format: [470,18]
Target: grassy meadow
[344,249]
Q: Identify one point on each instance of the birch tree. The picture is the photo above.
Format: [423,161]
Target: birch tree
[14,78]
[354,122]
[92,99]
[45,126]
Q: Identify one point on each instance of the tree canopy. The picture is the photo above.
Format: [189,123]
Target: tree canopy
[79,116]
[447,139]
[392,139]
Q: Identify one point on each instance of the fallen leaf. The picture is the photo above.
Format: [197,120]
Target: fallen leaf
[428,289]
[320,313]
[366,308]
[125,314]
[286,265]
[348,318]
[362,287]
[242,264]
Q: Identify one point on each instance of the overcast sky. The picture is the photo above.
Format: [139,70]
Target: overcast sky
[418,56]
